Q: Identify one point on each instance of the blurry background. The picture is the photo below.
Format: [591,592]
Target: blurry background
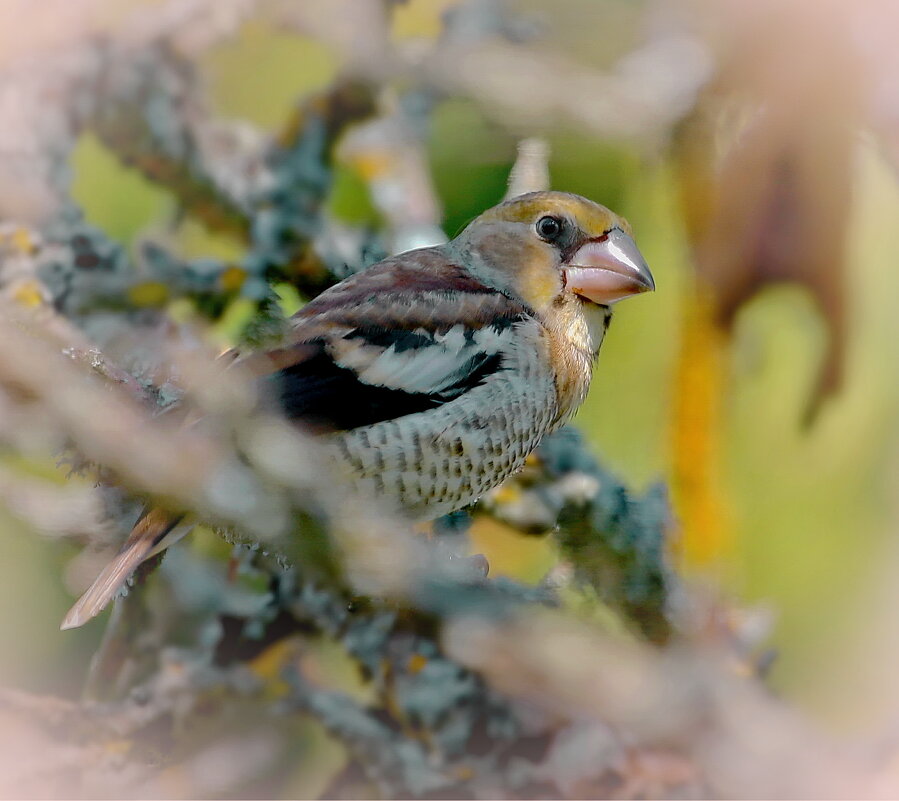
[752,146]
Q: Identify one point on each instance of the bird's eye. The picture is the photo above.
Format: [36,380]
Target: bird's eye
[549,228]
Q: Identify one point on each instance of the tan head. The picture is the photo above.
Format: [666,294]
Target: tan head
[545,244]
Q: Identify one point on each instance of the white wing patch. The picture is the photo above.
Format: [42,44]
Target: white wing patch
[436,362]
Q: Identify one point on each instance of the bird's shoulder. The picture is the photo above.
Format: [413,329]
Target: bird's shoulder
[406,335]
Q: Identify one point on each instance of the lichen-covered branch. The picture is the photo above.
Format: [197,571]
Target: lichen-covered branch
[614,541]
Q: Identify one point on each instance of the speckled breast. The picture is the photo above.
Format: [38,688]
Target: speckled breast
[443,459]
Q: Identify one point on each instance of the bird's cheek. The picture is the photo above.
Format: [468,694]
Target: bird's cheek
[537,279]
[543,287]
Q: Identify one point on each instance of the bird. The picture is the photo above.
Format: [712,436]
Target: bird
[433,374]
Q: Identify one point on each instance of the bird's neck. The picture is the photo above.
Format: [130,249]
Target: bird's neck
[576,330]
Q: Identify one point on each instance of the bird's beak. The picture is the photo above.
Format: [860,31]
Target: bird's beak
[608,269]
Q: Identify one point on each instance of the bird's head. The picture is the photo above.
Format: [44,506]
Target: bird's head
[545,245]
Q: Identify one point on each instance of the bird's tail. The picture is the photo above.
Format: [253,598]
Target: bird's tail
[154,532]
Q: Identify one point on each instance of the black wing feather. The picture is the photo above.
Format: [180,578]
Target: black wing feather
[327,397]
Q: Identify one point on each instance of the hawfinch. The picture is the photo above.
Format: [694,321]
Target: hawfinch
[433,374]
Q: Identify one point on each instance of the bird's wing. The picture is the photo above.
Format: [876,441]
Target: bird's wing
[407,335]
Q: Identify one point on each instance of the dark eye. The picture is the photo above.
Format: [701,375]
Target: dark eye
[549,228]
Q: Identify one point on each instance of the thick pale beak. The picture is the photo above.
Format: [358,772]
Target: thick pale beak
[608,269]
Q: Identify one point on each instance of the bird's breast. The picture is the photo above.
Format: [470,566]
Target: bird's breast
[443,459]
